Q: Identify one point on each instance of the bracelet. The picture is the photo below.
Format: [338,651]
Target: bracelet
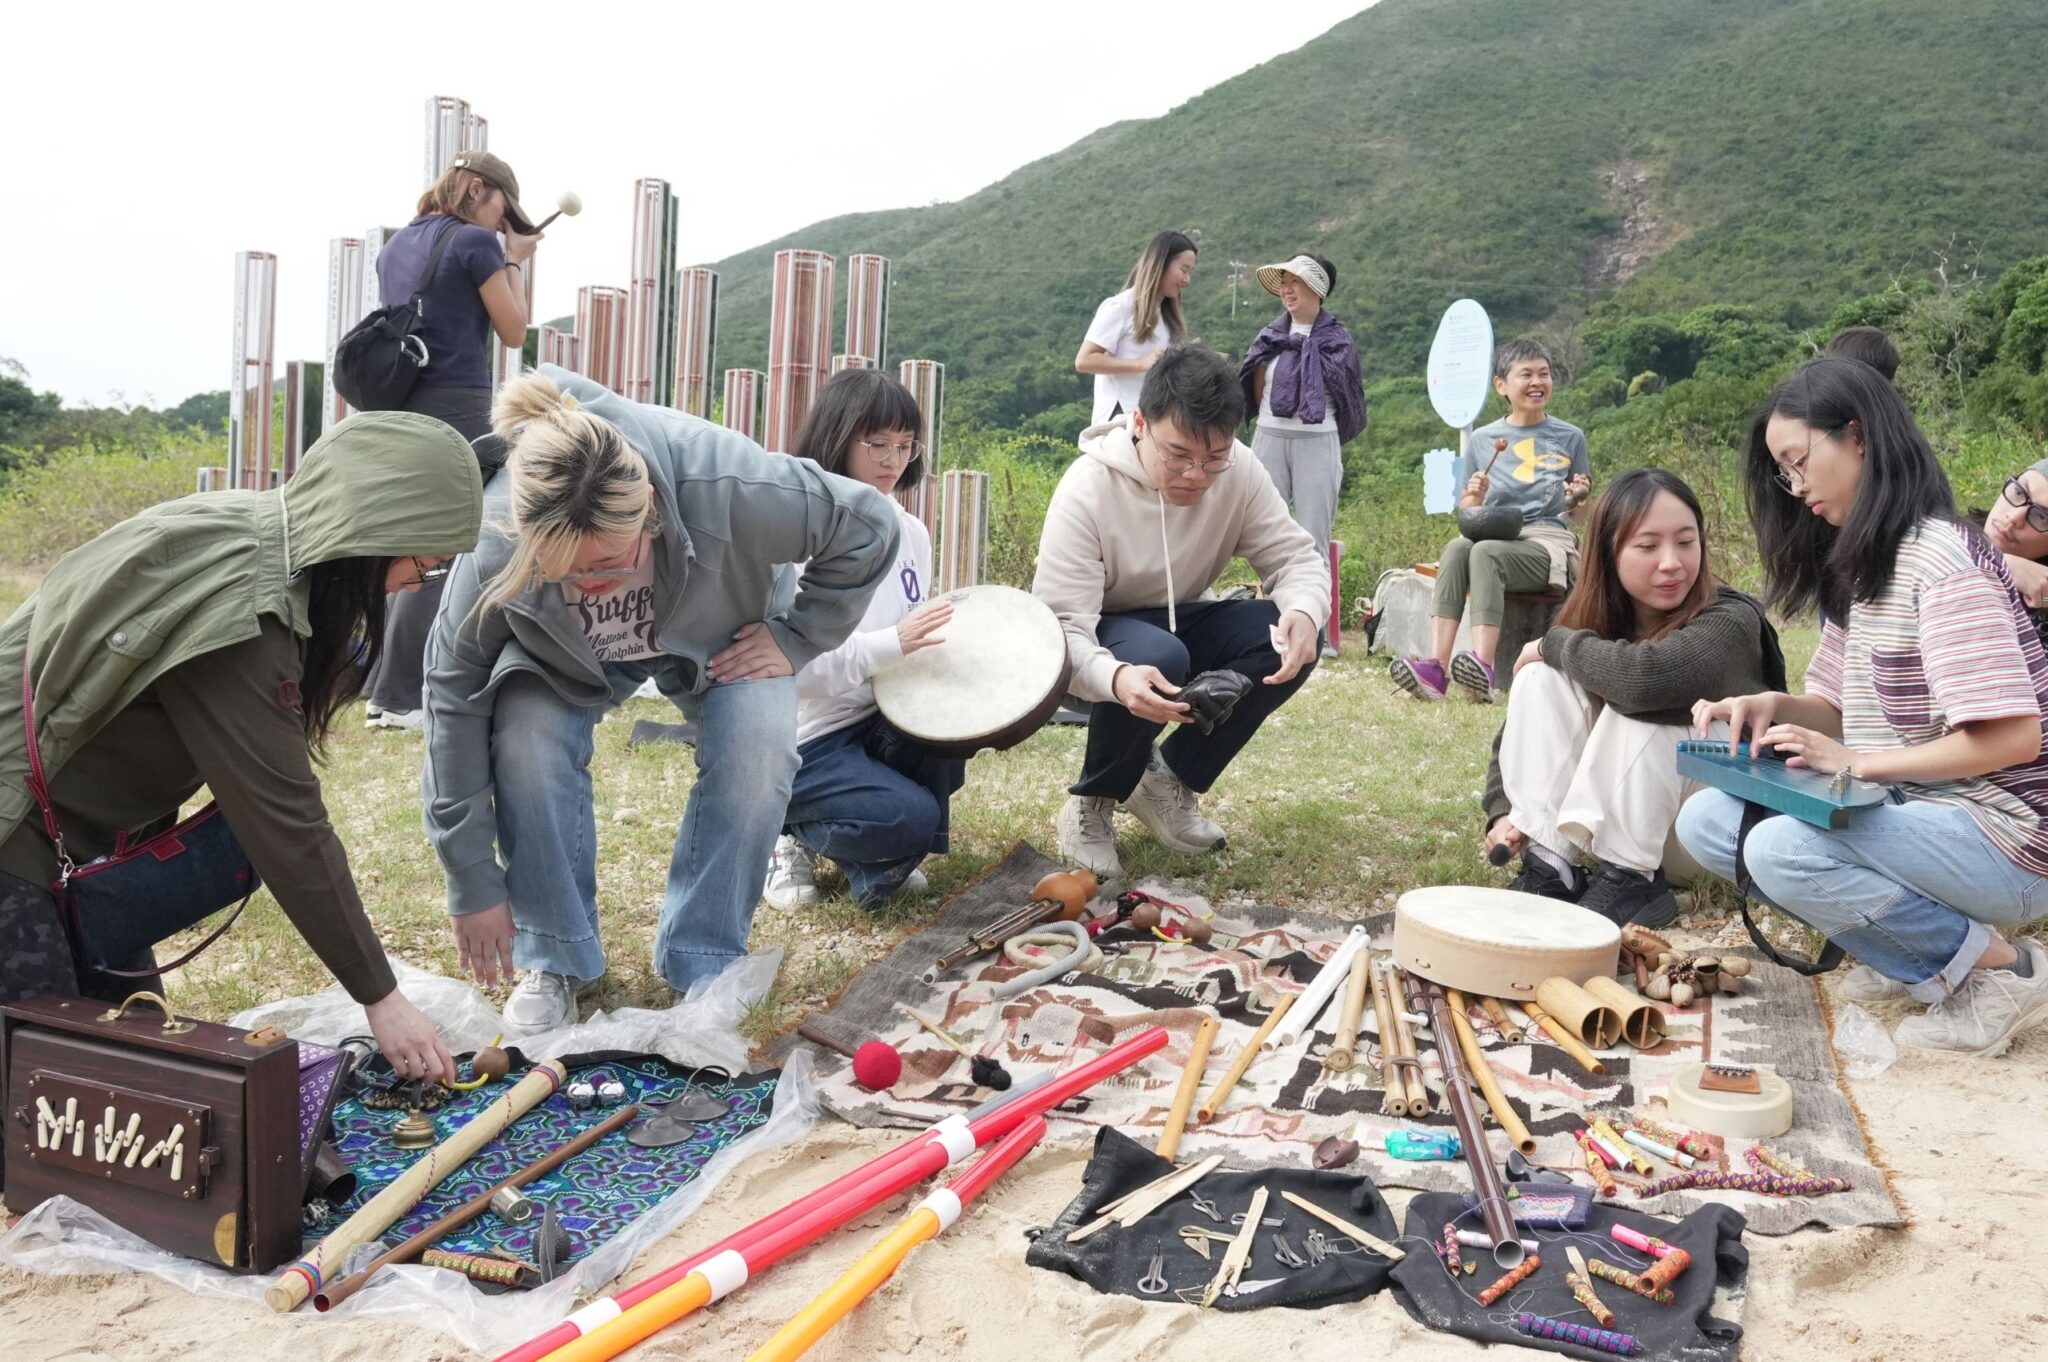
[519,265]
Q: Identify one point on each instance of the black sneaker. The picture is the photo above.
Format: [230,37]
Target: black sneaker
[1625,896]
[1541,878]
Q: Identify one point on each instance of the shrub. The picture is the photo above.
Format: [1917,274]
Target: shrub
[50,508]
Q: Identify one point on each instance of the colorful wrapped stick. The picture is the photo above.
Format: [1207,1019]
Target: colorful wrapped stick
[1636,1160]
[1581,1284]
[1663,1272]
[1766,1160]
[1685,1142]
[1448,1250]
[932,1218]
[1662,1151]
[1762,1184]
[1519,1273]
[1596,1165]
[1629,1281]
[1602,1340]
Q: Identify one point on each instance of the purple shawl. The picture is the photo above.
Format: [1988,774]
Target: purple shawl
[1312,375]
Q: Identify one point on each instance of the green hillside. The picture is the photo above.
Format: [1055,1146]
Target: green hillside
[1618,157]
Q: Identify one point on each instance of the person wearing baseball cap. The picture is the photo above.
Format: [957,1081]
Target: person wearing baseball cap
[472,286]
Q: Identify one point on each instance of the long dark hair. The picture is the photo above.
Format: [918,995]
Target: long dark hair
[1808,562]
[1598,600]
[345,606]
[1145,280]
[857,404]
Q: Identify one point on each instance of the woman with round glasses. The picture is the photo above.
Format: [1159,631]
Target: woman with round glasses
[2018,528]
[867,797]
[637,543]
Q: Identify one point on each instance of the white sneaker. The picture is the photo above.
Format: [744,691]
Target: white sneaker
[1086,828]
[1983,1016]
[1862,984]
[915,883]
[406,720]
[1172,812]
[541,1001]
[792,875]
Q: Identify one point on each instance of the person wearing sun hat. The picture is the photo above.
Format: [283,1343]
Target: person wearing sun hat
[475,290]
[1302,377]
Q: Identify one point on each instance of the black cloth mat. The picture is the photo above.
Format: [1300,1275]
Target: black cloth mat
[1684,1329]
[1115,1259]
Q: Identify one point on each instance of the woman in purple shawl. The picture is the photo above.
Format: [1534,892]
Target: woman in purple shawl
[1302,377]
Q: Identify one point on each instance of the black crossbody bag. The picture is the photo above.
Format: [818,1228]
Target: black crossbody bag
[379,360]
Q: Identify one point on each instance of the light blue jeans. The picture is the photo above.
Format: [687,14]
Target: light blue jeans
[547,821]
[1907,888]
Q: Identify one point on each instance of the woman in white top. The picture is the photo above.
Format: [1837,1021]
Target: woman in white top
[1131,328]
[865,796]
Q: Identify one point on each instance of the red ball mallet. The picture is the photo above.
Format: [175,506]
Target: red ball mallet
[876,1065]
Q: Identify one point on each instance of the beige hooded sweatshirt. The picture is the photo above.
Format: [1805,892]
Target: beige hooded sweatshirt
[1113,543]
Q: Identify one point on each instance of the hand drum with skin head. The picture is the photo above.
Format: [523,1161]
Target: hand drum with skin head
[996,677]
[1496,943]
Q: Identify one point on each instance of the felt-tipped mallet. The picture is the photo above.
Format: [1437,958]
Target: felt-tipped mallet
[570,203]
[985,1071]
[876,1065]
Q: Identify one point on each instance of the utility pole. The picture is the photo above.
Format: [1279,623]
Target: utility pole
[1237,269]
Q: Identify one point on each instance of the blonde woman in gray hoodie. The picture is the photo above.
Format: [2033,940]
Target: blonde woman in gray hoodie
[1141,527]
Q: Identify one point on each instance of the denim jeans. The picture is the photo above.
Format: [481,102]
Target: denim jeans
[1213,636]
[547,821]
[873,801]
[1907,888]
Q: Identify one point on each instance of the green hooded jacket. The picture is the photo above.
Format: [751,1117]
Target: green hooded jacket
[201,573]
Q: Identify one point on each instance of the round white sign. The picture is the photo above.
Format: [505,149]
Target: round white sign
[1461,363]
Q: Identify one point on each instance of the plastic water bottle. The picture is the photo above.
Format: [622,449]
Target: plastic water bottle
[1418,1145]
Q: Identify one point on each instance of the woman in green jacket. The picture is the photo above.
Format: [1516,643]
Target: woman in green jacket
[211,641]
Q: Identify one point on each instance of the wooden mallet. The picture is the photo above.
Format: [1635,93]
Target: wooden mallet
[985,1071]
[876,1065]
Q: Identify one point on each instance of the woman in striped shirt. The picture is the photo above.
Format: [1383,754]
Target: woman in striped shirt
[1929,678]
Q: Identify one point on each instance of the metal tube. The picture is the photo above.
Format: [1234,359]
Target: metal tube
[799,343]
[696,338]
[249,394]
[743,401]
[867,307]
[963,529]
[346,264]
[1486,1180]
[649,361]
[926,379]
[601,334]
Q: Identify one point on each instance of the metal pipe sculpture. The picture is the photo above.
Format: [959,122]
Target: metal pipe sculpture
[345,298]
[601,334]
[696,338]
[743,402]
[650,363]
[867,307]
[249,397]
[799,343]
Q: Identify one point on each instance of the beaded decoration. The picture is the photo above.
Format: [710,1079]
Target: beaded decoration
[1448,1251]
[1607,1272]
[1582,1292]
[1596,1165]
[1767,1160]
[475,1266]
[1765,1184]
[1685,1142]
[1602,1340]
[1521,1272]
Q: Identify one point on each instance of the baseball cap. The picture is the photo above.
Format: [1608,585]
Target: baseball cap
[498,175]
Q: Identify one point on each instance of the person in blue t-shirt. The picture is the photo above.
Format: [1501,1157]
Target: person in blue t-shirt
[476,290]
[1528,462]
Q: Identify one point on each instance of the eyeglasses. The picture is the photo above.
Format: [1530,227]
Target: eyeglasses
[617,574]
[2037,514]
[426,576]
[888,451]
[1790,473]
[1181,463]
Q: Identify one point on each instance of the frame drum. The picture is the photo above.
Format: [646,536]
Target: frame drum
[997,675]
[1496,943]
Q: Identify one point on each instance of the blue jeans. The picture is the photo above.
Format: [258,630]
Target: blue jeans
[1883,886]
[547,821]
[873,801]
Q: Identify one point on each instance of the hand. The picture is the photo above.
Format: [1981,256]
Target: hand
[1752,713]
[408,1040]
[519,248]
[1505,833]
[1477,486]
[483,943]
[1144,691]
[1145,364]
[754,656]
[919,629]
[2031,578]
[1809,748]
[1530,656]
[1300,632]
[1578,489]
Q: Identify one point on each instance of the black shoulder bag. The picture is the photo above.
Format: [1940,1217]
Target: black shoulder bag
[379,360]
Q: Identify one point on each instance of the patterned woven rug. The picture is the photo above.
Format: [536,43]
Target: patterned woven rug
[1288,1102]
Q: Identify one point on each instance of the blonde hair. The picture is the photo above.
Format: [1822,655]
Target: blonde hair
[573,475]
[454,192]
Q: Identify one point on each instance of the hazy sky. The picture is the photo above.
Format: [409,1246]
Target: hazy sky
[148,144]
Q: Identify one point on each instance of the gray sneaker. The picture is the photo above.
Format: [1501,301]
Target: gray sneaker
[1086,828]
[1172,812]
[1982,1017]
[541,1001]
[1862,984]
[792,875]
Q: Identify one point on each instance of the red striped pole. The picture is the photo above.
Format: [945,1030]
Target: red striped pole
[743,402]
[799,343]
[696,338]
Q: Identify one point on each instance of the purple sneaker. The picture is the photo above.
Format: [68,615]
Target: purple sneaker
[1421,677]
[1474,675]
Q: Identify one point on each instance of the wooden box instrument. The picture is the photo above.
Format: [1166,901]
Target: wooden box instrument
[183,1132]
[1824,801]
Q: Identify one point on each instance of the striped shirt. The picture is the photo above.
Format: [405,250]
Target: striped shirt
[1948,642]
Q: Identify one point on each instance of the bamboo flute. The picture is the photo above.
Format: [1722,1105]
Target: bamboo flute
[1566,1041]
[1475,1060]
[1487,1187]
[1509,1032]
[1340,1058]
[1190,1084]
[1419,1103]
[1220,1094]
[1393,1087]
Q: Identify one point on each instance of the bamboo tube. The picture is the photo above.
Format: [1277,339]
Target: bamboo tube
[1419,1102]
[1642,1024]
[1509,1032]
[1219,1094]
[1566,1041]
[1340,1058]
[1190,1083]
[1393,1087]
[1475,1060]
[303,1277]
[1586,1016]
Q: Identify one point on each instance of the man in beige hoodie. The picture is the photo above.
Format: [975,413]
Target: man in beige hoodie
[1141,527]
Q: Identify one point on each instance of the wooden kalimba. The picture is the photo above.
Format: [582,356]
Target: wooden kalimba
[184,1132]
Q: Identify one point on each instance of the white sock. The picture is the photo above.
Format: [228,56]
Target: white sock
[1566,871]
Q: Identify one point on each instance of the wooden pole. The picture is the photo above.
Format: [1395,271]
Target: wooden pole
[1475,1060]
[1566,1041]
[1393,1087]
[1221,1092]
[1190,1082]
[1341,1057]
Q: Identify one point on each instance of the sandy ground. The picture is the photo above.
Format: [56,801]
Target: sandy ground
[1959,1137]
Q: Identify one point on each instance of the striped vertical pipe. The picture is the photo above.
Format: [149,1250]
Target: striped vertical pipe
[249,394]
[926,379]
[650,295]
[867,307]
[743,402]
[555,346]
[1336,632]
[294,416]
[213,479]
[963,529]
[476,133]
[509,361]
[345,297]
[447,120]
[799,343]
[601,333]
[374,242]
[696,338]
[841,363]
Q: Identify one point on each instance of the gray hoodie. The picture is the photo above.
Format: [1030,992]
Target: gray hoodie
[731,515]
[1112,542]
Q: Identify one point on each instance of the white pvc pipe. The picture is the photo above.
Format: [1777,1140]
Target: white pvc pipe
[1313,999]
